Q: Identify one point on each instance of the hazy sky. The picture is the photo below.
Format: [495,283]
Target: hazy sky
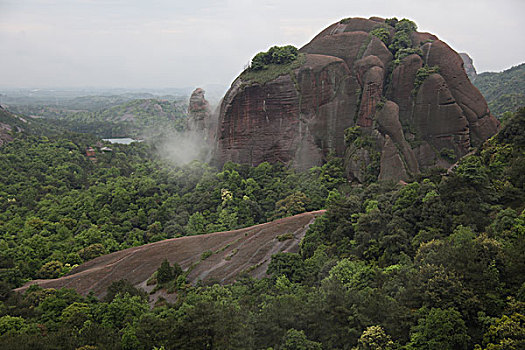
[172,43]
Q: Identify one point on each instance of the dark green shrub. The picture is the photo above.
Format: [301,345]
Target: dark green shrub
[206,254]
[447,154]
[401,39]
[406,25]
[351,134]
[165,272]
[122,287]
[92,251]
[422,74]
[285,237]
[391,21]
[402,53]
[382,33]
[275,55]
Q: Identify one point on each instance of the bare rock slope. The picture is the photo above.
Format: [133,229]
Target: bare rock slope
[406,107]
[233,253]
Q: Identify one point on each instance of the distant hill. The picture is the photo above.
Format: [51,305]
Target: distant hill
[12,124]
[9,124]
[113,116]
[504,91]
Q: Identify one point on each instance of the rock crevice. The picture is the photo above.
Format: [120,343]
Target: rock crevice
[351,78]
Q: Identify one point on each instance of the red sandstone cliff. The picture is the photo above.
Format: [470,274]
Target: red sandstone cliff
[348,77]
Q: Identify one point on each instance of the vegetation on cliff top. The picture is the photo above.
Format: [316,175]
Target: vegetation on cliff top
[267,66]
[275,55]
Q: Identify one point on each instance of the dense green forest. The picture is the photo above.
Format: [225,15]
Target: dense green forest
[433,264]
[504,91]
[59,207]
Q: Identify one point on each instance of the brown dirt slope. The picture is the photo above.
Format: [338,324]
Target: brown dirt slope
[246,250]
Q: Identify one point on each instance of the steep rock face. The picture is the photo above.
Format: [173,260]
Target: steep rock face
[200,118]
[482,124]
[468,65]
[438,118]
[293,118]
[407,110]
[402,84]
[5,134]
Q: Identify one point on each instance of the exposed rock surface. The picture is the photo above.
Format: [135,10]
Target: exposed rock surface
[406,118]
[468,65]
[292,120]
[200,117]
[247,250]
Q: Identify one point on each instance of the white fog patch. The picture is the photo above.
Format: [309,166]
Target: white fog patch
[184,147]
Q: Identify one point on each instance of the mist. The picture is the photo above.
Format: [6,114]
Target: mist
[181,148]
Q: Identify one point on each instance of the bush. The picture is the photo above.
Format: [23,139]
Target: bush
[401,38]
[447,154]
[206,254]
[402,53]
[51,269]
[391,21]
[351,134]
[285,237]
[382,33]
[406,25]
[92,251]
[423,73]
[275,55]
[297,340]
[165,272]
[123,287]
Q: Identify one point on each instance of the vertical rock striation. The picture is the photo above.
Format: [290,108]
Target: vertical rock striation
[402,110]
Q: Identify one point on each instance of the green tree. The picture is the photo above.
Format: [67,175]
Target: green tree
[165,272]
[123,287]
[52,269]
[439,329]
[10,325]
[296,340]
[375,338]
[293,204]
[507,333]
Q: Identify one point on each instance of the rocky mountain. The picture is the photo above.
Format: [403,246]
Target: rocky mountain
[389,99]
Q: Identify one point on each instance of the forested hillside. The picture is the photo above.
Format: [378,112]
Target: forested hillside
[504,91]
[436,263]
[59,208]
[108,118]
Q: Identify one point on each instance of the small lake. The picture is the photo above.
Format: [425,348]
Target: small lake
[122,140]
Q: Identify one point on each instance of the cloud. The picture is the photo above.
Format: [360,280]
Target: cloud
[162,43]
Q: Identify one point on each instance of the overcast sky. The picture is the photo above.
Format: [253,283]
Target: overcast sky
[172,43]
